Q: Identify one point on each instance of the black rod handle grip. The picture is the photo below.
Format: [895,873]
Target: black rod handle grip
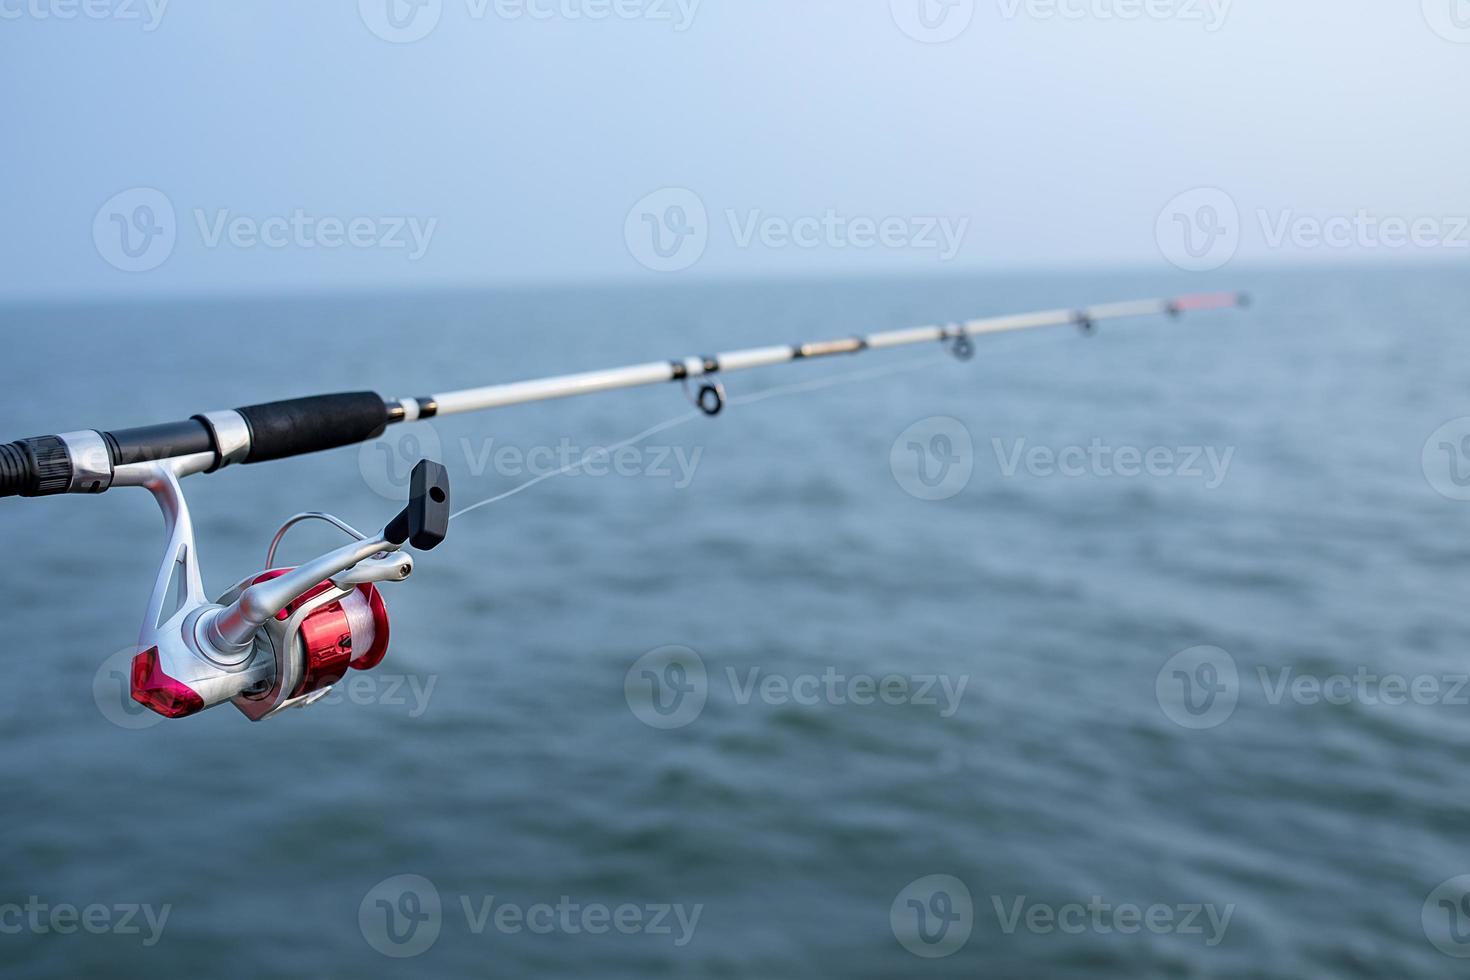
[309,425]
[35,467]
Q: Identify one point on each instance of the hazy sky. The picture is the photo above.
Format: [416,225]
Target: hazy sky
[162,147]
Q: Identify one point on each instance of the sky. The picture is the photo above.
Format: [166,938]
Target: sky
[157,147]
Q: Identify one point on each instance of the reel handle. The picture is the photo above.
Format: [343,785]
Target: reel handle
[424,523]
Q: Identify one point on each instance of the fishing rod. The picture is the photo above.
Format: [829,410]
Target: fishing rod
[282,637]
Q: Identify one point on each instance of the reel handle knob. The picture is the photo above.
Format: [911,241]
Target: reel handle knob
[424,523]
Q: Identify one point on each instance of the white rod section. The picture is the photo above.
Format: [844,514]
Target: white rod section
[658,372]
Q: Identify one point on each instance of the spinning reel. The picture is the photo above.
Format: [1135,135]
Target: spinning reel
[281,638]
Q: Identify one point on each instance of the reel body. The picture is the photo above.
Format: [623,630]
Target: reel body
[280,638]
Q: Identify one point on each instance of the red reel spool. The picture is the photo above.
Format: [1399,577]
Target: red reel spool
[351,632]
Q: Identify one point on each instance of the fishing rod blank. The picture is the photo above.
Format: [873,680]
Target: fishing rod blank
[90,461]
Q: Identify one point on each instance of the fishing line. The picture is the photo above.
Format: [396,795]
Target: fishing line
[802,387]
[586,458]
